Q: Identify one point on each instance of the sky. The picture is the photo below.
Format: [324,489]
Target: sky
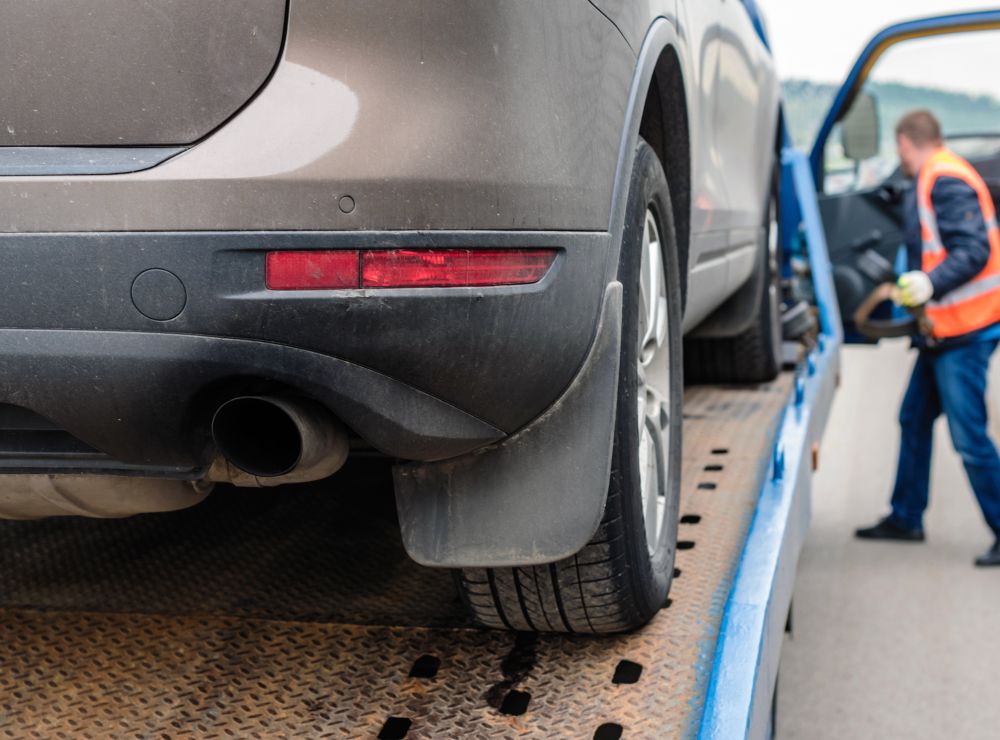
[841,28]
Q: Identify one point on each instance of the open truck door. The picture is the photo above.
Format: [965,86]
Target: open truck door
[945,64]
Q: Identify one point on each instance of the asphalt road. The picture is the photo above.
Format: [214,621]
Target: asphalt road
[890,640]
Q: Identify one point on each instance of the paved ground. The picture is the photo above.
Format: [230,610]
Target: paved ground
[890,641]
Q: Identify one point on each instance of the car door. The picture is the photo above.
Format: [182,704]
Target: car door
[746,107]
[946,64]
[709,200]
[732,137]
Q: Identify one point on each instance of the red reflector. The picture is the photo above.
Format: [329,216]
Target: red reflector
[312,270]
[446,268]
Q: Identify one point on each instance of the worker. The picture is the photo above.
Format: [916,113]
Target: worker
[953,249]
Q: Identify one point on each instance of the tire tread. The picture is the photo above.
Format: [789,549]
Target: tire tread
[587,593]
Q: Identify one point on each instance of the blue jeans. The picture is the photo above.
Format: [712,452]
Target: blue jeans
[952,381]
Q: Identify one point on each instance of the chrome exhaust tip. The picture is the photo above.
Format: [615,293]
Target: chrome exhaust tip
[272,440]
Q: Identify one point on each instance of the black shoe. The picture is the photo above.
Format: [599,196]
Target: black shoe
[889,530]
[990,557]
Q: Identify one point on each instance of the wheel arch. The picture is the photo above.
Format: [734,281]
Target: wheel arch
[657,110]
[664,126]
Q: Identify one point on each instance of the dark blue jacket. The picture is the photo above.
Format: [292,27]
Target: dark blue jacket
[963,233]
[962,229]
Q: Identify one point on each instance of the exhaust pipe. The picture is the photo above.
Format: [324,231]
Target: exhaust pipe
[273,440]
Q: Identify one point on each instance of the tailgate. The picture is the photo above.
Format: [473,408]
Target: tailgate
[130,72]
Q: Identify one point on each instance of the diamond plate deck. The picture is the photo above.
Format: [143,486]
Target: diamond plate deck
[259,614]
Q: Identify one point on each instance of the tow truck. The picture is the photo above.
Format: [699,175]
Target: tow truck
[265,617]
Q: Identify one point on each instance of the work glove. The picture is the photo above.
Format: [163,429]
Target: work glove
[912,289]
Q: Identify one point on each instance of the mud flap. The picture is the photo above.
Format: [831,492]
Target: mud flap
[534,498]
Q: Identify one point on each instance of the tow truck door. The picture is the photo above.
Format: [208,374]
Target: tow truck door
[946,64]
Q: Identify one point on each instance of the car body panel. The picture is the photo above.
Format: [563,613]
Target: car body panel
[746,120]
[700,36]
[428,115]
[633,17]
[733,81]
[120,72]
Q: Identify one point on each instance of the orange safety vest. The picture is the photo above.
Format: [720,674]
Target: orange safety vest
[976,304]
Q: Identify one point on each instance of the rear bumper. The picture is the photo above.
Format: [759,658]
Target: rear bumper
[419,374]
[143,401]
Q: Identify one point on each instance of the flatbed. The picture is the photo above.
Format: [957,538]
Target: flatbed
[297,632]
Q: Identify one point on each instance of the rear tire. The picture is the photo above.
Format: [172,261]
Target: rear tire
[755,355]
[619,580]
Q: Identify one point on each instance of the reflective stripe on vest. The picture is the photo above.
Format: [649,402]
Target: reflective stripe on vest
[976,304]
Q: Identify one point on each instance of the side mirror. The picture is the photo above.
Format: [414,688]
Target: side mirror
[860,128]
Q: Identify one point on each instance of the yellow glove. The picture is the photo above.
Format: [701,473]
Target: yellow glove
[912,289]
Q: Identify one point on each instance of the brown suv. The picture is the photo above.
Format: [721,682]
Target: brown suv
[242,238]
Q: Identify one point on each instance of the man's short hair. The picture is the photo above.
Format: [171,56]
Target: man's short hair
[921,127]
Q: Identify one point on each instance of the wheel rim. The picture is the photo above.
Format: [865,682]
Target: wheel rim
[653,386]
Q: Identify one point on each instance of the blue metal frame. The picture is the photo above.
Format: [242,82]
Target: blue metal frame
[744,671]
[940,24]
